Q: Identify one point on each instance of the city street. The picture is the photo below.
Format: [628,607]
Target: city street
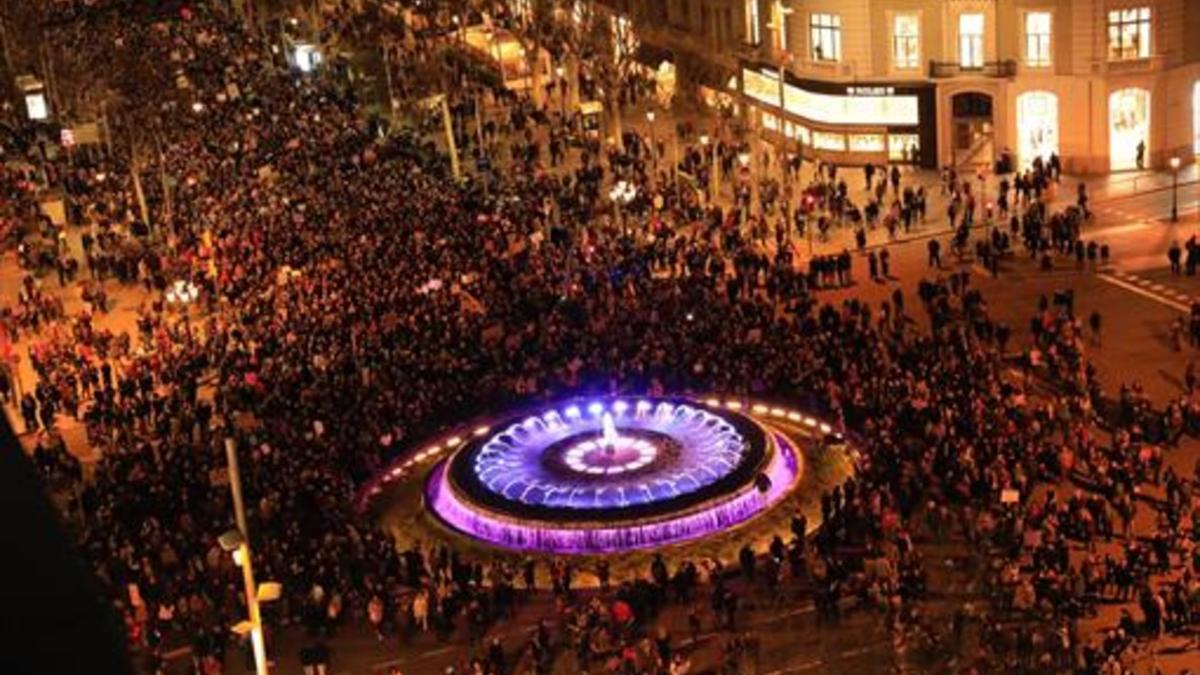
[1136,294]
[429,339]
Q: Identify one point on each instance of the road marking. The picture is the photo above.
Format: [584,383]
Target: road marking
[1122,229]
[1133,288]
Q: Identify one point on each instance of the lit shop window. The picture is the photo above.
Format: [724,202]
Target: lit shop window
[823,140]
[1129,34]
[866,143]
[970,40]
[906,42]
[1037,39]
[902,147]
[1037,125]
[770,122]
[826,33]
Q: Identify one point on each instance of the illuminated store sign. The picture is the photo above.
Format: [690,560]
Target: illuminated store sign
[761,86]
[871,91]
[865,105]
[872,109]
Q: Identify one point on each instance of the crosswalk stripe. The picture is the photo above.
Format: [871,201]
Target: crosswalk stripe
[1133,288]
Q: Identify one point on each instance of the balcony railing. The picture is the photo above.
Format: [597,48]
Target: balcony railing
[1148,64]
[942,69]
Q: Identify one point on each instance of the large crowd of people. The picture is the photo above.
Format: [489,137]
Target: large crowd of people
[351,299]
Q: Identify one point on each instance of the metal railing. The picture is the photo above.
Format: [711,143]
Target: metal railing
[944,69]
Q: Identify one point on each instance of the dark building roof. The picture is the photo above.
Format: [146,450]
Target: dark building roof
[53,615]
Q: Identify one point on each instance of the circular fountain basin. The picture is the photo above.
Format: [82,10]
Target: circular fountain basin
[610,475]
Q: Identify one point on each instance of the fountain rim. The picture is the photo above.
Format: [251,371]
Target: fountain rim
[417,459]
[786,453]
[462,479]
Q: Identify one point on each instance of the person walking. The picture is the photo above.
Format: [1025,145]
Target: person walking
[420,610]
[935,253]
[1174,254]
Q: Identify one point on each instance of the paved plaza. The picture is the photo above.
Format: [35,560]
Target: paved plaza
[950,382]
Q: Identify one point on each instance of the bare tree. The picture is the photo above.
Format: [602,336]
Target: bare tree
[609,45]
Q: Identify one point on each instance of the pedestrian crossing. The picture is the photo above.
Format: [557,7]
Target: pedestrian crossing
[1149,288]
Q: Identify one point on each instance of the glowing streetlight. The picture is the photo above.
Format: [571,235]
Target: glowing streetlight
[621,194]
[562,89]
[653,137]
[714,176]
[236,543]
[744,159]
[182,293]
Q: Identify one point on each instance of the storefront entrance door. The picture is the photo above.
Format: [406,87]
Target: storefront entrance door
[973,130]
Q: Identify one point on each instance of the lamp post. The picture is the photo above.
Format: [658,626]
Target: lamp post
[714,177]
[621,194]
[653,137]
[448,127]
[181,294]
[562,91]
[744,159]
[237,542]
[1174,162]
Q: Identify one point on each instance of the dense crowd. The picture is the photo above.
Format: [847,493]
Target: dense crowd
[352,299]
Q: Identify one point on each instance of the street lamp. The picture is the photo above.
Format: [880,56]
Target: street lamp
[653,138]
[1174,162]
[714,176]
[235,543]
[744,159]
[181,293]
[621,194]
[562,90]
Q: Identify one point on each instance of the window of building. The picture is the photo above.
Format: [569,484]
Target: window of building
[1037,39]
[970,40]
[867,143]
[1129,34]
[824,140]
[1196,116]
[826,31]
[779,19]
[906,42]
[903,147]
[753,29]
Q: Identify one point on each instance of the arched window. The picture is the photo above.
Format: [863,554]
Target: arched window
[1128,127]
[1196,118]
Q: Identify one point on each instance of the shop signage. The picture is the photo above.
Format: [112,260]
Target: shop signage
[871,91]
[876,109]
[761,86]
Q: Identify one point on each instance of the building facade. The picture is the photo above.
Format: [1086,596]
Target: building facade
[942,82]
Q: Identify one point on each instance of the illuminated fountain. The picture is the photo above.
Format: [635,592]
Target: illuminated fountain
[612,475]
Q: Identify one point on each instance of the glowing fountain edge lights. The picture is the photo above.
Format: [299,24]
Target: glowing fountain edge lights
[782,472]
[667,451]
[411,460]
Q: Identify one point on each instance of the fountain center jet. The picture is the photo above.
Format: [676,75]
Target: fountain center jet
[608,433]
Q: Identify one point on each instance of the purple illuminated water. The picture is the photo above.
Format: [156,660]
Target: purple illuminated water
[617,454]
[723,513]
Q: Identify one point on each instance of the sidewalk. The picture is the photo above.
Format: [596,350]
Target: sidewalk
[1100,188]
